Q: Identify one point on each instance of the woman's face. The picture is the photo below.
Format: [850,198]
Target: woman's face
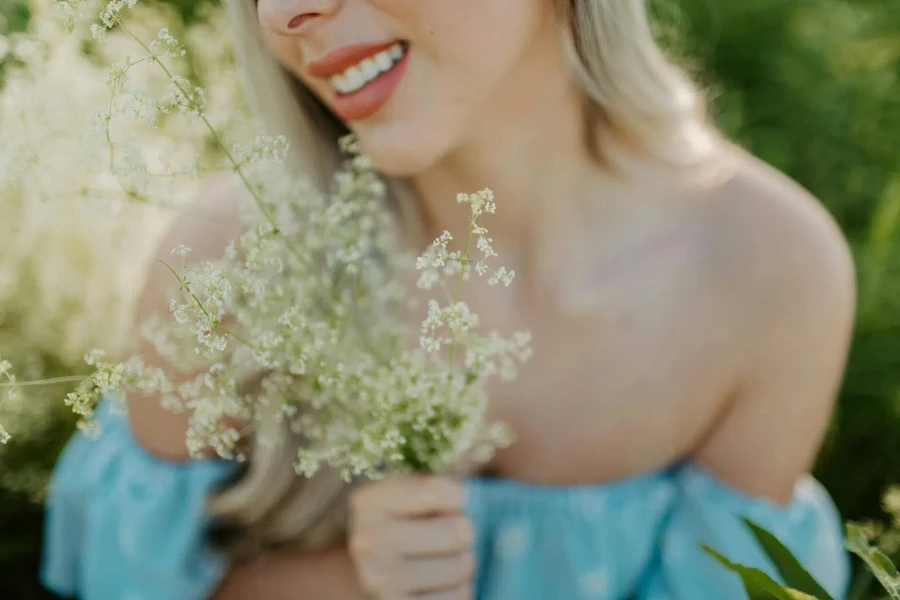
[413,79]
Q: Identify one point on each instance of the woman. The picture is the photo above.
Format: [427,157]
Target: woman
[691,310]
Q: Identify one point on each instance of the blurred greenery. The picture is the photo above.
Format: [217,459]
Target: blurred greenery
[811,86]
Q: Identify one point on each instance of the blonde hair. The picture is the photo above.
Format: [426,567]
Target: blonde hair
[641,104]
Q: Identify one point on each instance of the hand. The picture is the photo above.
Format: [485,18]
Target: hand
[409,539]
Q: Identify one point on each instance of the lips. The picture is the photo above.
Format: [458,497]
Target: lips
[338,61]
[369,99]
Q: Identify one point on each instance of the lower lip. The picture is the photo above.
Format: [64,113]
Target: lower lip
[366,102]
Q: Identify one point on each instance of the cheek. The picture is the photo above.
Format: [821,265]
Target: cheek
[474,49]
[286,51]
[464,53]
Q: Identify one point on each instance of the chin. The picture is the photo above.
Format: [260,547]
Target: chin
[403,150]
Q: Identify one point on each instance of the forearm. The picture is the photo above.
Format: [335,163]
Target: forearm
[325,576]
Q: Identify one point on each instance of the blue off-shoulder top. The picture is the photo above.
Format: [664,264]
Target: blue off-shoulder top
[122,525]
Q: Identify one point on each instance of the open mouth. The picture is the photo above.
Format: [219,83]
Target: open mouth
[360,75]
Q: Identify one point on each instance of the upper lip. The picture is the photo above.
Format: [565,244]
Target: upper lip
[338,61]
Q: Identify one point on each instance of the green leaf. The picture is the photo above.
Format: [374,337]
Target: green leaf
[798,595]
[880,565]
[790,569]
[758,585]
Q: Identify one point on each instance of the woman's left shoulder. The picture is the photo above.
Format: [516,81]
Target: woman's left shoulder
[791,291]
[782,247]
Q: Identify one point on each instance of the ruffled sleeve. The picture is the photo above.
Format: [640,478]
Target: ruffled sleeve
[123,525]
[707,511]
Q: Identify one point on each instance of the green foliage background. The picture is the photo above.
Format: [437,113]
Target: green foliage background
[811,86]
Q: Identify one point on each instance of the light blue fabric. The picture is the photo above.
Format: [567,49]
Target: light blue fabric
[124,526]
[640,538]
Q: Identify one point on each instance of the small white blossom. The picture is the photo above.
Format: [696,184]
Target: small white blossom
[303,318]
[111,15]
[98,32]
[263,148]
[166,45]
[116,77]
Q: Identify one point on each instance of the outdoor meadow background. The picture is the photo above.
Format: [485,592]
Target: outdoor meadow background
[811,86]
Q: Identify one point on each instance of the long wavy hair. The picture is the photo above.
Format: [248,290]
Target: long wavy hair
[640,102]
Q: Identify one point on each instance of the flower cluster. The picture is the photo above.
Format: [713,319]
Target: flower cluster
[304,319]
[309,305]
[81,210]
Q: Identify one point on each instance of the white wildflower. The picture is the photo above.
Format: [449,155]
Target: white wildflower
[166,45]
[116,77]
[98,32]
[263,148]
[112,14]
[302,320]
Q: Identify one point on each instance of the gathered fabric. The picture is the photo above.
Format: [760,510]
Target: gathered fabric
[641,538]
[123,525]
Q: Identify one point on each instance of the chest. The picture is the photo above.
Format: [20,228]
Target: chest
[632,362]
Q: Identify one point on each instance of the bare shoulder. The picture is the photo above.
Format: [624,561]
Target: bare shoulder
[206,226]
[792,285]
[779,240]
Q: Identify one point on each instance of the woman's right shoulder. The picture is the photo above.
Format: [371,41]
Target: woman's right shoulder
[206,225]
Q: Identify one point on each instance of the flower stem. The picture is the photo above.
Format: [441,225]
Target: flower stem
[236,168]
[462,273]
[53,380]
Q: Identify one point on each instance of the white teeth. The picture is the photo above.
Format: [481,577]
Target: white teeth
[370,69]
[340,82]
[383,59]
[356,77]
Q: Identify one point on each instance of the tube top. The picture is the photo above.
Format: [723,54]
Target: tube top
[123,525]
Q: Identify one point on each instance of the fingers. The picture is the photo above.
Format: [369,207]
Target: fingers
[460,593]
[409,539]
[436,577]
[410,496]
[439,573]
[434,537]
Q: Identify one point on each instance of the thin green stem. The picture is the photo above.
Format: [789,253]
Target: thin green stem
[323,305]
[236,336]
[215,134]
[186,288]
[114,195]
[112,146]
[112,100]
[211,170]
[52,380]
[462,274]
[221,144]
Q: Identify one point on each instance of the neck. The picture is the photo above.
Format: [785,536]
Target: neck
[529,147]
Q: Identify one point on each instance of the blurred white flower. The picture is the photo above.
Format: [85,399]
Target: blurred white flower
[307,303]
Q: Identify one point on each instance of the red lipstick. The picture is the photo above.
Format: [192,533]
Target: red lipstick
[338,61]
[366,101]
